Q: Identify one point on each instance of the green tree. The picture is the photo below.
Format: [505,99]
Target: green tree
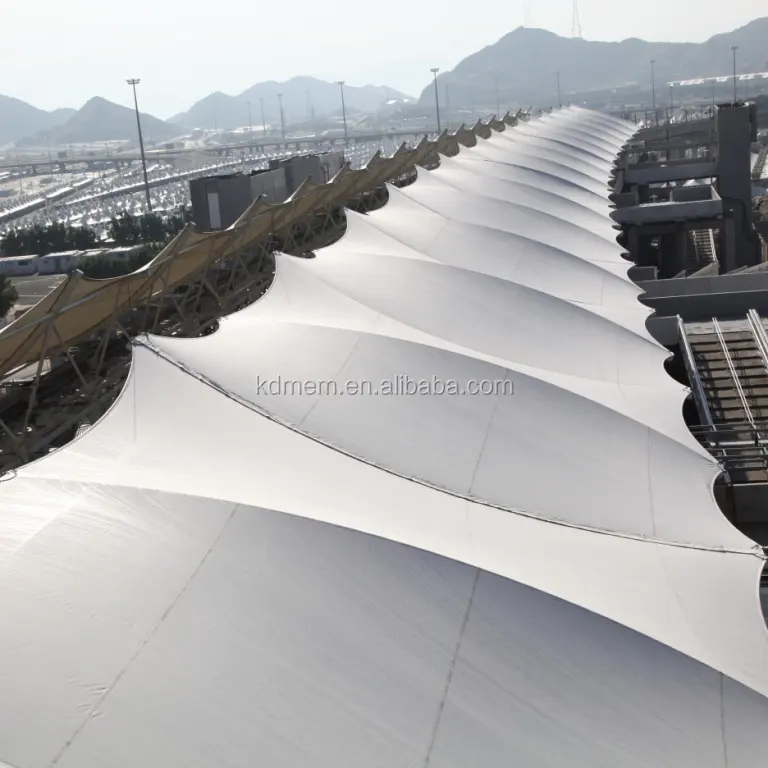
[40,241]
[8,295]
[102,267]
[152,228]
[81,238]
[125,229]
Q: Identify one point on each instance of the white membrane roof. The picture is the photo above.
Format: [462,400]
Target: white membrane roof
[429,502]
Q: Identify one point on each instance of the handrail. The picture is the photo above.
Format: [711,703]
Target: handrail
[734,375]
[761,339]
[697,387]
[712,247]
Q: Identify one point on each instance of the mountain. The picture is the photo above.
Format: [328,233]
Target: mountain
[101,120]
[17,119]
[300,96]
[524,64]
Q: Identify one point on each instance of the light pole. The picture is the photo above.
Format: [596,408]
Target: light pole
[671,100]
[250,125]
[434,71]
[341,84]
[653,90]
[18,170]
[559,96]
[263,119]
[282,115]
[133,82]
[734,48]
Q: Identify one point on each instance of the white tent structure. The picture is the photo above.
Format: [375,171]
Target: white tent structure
[286,546]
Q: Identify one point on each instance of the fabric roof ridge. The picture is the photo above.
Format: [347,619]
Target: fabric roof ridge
[509,162]
[514,182]
[591,148]
[535,211]
[601,120]
[609,229]
[543,142]
[519,148]
[754,551]
[429,260]
[533,372]
[588,140]
[598,265]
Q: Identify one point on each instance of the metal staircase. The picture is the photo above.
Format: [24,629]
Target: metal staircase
[704,247]
[727,366]
[760,168]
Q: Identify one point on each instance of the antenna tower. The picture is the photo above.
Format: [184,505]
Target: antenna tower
[576,25]
[527,14]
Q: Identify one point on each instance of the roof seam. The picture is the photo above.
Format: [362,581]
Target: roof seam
[755,551]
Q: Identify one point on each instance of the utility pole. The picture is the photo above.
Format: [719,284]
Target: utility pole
[341,84]
[559,95]
[263,119]
[434,71]
[734,48]
[133,82]
[282,115]
[250,125]
[653,90]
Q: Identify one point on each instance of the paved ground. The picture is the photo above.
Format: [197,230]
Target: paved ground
[32,289]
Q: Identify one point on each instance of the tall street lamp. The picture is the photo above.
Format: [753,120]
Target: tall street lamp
[263,119]
[133,82]
[250,125]
[434,71]
[282,115]
[734,48]
[653,90]
[341,84]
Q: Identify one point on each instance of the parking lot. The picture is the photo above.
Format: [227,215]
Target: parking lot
[31,289]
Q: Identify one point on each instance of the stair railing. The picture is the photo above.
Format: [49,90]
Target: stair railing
[697,388]
[711,244]
[761,338]
[735,376]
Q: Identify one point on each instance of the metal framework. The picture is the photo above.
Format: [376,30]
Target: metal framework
[65,361]
[738,438]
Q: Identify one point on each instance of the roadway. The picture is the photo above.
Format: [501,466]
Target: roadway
[34,287]
[220,149]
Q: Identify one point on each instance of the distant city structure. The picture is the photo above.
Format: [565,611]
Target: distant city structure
[748,77]
[218,201]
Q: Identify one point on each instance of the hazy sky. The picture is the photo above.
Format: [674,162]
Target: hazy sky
[56,53]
